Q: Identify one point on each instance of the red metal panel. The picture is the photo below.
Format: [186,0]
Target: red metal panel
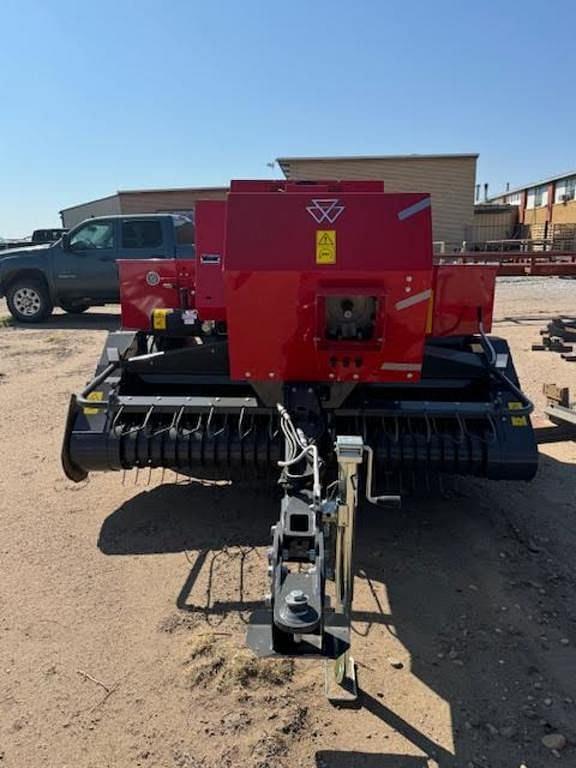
[210,218]
[459,291]
[274,283]
[148,284]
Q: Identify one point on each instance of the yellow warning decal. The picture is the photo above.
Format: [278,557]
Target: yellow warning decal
[517,421]
[93,396]
[159,319]
[325,246]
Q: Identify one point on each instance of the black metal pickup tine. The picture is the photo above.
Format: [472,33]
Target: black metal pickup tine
[209,432]
[250,429]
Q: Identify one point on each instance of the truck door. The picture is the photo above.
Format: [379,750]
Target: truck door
[87,269]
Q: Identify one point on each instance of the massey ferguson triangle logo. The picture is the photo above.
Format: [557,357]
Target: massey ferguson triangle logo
[325,210]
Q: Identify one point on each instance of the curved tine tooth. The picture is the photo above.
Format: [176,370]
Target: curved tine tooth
[116,418]
[194,430]
[149,480]
[136,475]
[123,477]
[173,424]
[177,419]
[462,429]
[198,426]
[209,433]
[133,430]
[250,429]
[428,428]
[273,434]
[163,475]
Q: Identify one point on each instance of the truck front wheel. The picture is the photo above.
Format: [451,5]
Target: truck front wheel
[28,300]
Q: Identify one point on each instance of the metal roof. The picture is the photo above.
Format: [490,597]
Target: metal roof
[534,184]
[89,202]
[345,158]
[144,192]
[162,190]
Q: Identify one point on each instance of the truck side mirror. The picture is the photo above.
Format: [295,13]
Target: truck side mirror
[66,241]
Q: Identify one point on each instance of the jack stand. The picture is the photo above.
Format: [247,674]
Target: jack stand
[341,685]
[299,618]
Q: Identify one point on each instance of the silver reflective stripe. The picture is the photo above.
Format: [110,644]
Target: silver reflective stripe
[415,299]
[421,205]
[401,367]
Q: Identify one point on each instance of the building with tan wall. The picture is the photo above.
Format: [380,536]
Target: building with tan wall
[180,200]
[450,180]
[546,209]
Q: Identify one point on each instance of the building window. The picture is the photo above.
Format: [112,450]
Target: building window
[565,190]
[141,234]
[514,199]
[537,197]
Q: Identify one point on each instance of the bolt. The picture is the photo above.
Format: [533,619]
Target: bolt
[271,375]
[247,374]
[297,601]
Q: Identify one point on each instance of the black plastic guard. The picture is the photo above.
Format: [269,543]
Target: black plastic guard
[71,470]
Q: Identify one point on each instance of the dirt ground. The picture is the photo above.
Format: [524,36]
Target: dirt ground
[123,607]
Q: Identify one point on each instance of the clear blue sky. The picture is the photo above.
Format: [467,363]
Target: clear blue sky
[117,94]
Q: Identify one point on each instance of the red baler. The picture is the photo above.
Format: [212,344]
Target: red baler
[311,336]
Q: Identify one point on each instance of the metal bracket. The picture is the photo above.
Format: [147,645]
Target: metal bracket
[341,684]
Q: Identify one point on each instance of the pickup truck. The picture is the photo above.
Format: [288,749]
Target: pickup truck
[80,271]
[39,237]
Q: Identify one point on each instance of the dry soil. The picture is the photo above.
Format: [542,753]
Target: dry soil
[123,606]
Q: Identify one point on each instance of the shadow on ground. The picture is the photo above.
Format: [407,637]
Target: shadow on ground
[455,576]
[88,321]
